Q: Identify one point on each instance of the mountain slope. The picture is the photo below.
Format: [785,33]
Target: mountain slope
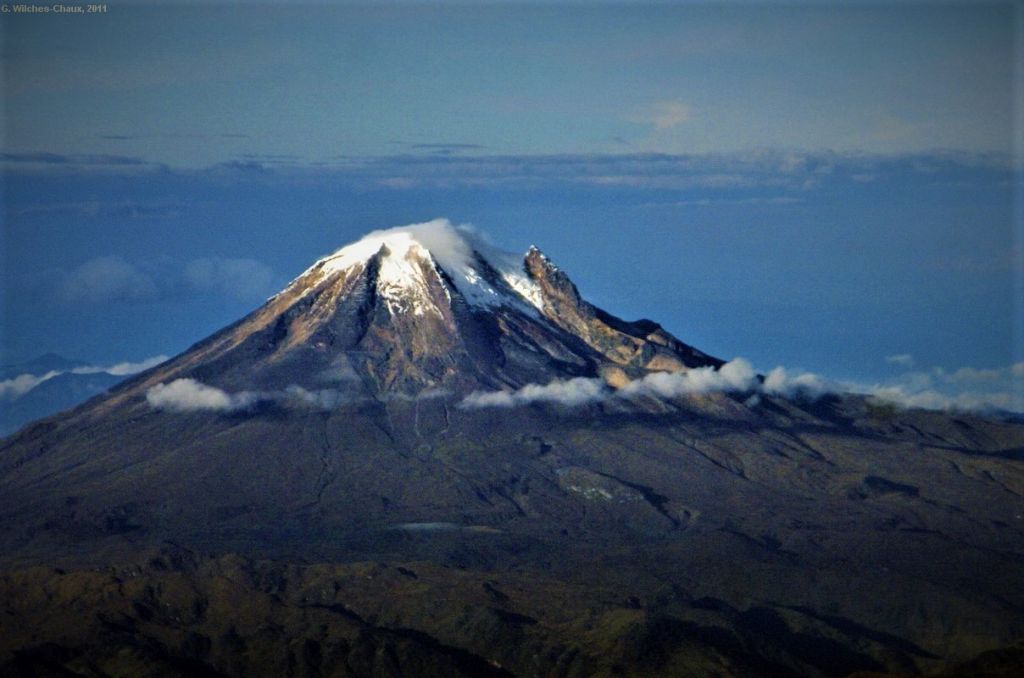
[328,431]
[388,316]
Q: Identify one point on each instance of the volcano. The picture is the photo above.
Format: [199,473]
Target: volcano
[421,308]
[425,456]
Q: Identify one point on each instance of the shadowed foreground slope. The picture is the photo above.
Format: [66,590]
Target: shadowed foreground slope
[546,540]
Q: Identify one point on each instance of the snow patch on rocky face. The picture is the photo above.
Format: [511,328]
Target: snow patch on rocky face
[438,245]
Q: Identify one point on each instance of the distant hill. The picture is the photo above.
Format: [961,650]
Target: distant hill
[51,383]
[41,365]
[54,395]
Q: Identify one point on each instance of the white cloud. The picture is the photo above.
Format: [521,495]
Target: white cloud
[112,279]
[677,182]
[122,369]
[14,388]
[915,381]
[735,375]
[964,389]
[664,115]
[902,359]
[804,384]
[567,392]
[105,279]
[709,202]
[189,395]
[739,170]
[972,374]
[912,390]
[968,401]
[963,376]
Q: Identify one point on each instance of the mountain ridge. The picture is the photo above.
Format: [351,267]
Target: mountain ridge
[318,456]
[386,315]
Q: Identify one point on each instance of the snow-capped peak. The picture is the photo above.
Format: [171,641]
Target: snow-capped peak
[457,250]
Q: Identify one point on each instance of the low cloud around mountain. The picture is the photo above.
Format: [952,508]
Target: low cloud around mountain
[17,386]
[567,392]
[190,395]
[735,376]
[911,390]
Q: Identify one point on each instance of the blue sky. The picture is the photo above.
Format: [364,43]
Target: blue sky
[190,85]
[818,186]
